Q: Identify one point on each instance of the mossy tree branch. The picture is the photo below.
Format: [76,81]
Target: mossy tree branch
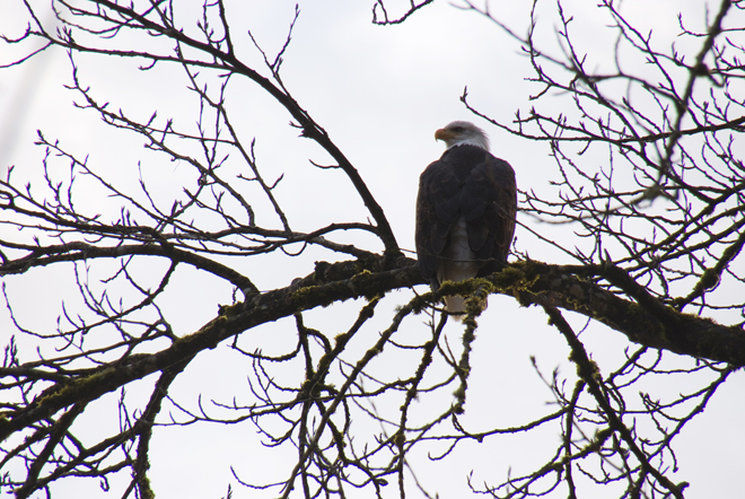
[651,324]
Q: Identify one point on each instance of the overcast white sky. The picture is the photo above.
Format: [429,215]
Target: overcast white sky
[380,93]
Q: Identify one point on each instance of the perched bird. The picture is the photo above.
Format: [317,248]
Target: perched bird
[465,211]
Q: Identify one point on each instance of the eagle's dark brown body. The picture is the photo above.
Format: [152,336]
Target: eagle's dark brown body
[465,216]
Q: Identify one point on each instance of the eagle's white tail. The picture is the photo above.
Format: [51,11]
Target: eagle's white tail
[456,305]
[458,264]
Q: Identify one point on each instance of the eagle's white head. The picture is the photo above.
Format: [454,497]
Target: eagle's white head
[462,132]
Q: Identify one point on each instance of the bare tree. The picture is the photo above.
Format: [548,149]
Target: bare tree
[648,178]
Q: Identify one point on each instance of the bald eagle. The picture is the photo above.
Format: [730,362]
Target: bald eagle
[465,211]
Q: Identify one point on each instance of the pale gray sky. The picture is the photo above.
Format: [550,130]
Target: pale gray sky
[380,92]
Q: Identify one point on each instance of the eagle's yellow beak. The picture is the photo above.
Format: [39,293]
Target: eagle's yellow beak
[443,134]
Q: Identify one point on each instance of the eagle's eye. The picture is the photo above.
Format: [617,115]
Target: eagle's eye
[458,129]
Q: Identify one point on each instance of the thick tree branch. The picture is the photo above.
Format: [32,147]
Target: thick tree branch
[530,282]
